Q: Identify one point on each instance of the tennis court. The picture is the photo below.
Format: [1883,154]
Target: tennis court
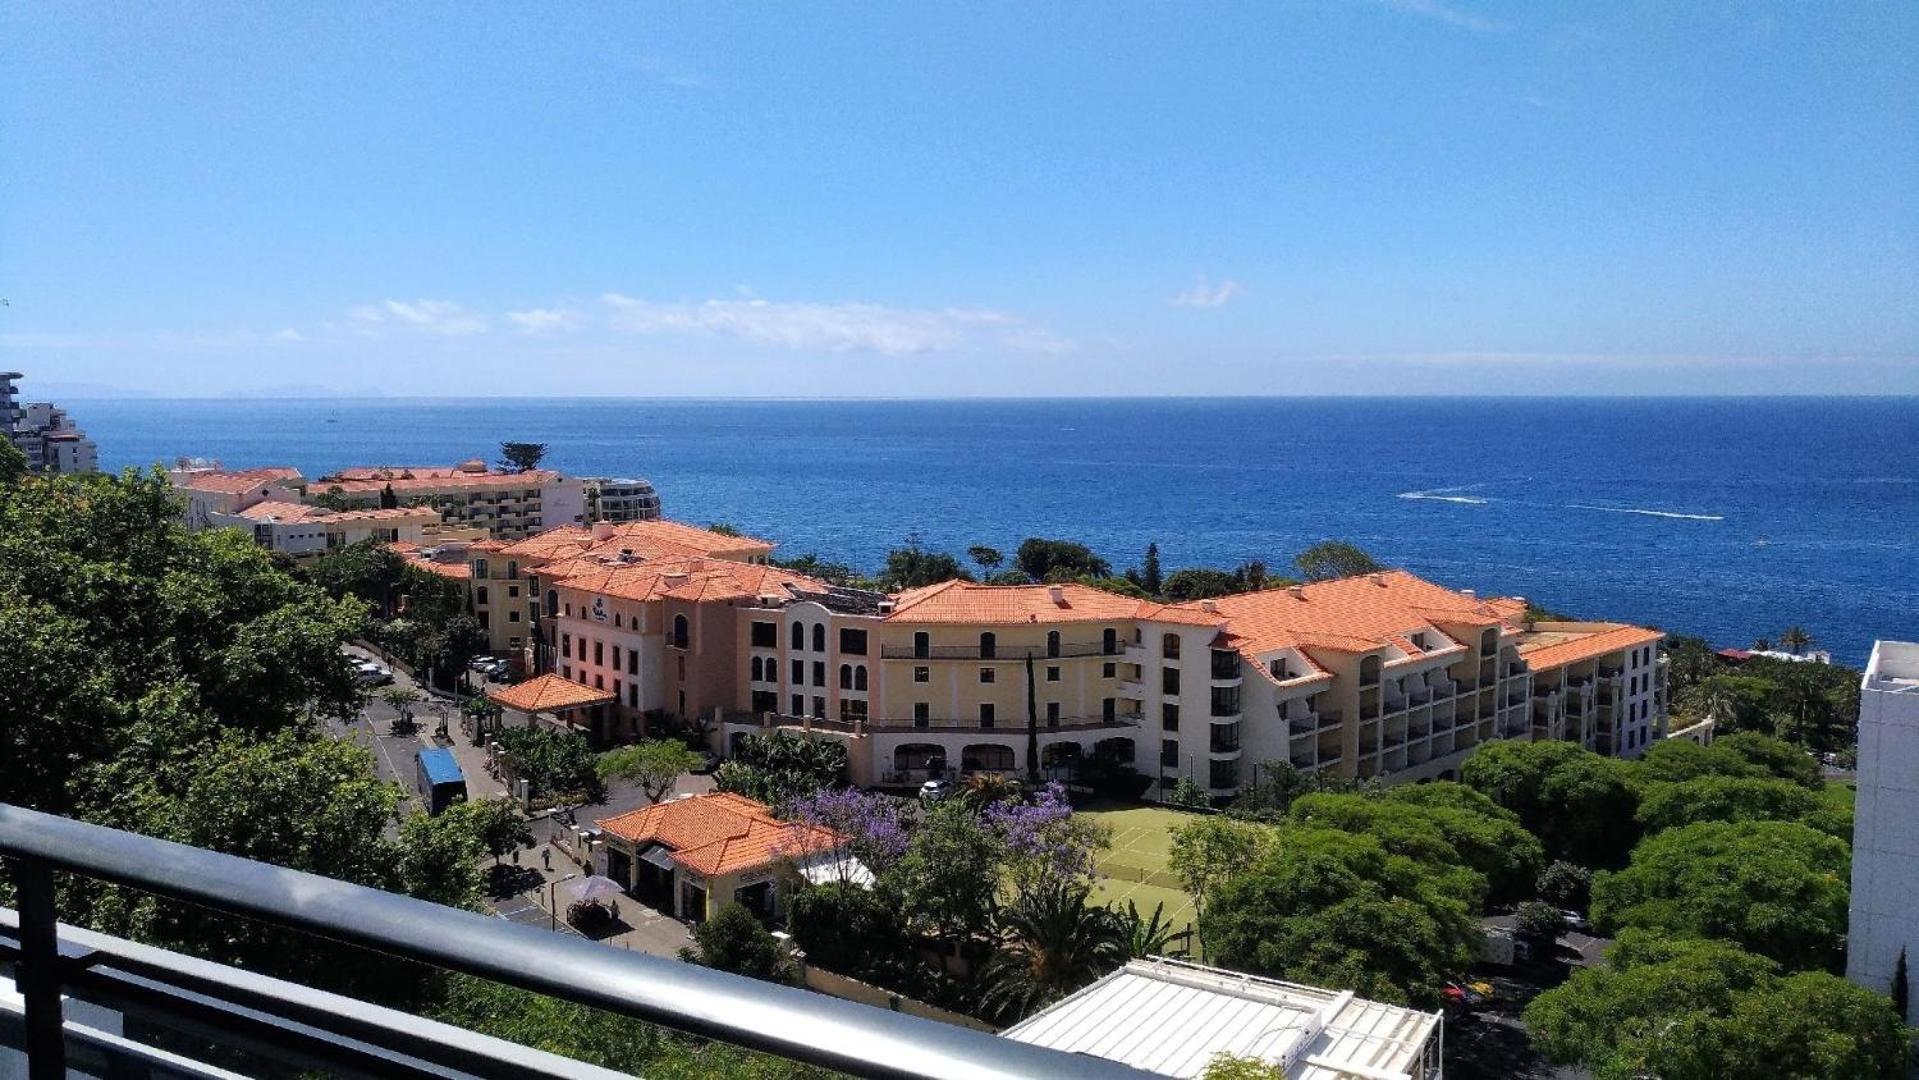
[1134,868]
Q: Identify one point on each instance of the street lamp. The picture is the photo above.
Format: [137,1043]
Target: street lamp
[552,910]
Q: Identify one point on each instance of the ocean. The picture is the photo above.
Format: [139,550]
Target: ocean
[1732,518]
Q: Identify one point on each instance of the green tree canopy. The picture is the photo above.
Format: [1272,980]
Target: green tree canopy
[1330,559]
[654,765]
[1738,798]
[1778,889]
[911,567]
[1040,558]
[1579,804]
[988,559]
[1776,756]
[1689,1009]
[1209,851]
[555,764]
[522,456]
[779,766]
[1402,829]
[734,940]
[1333,908]
[949,878]
[1199,583]
[1488,837]
[1051,943]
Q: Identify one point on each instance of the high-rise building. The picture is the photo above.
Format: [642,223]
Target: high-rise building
[44,433]
[1885,832]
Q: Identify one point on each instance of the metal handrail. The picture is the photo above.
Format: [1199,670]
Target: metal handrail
[781,1020]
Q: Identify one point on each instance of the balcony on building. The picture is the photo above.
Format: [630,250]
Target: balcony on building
[91,1004]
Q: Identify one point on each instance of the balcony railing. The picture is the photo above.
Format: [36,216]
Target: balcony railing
[1067,651]
[301,1029]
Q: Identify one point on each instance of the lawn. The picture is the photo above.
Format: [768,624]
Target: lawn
[1134,868]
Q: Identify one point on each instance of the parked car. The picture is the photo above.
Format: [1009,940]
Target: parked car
[935,790]
[1575,921]
[481,662]
[372,673]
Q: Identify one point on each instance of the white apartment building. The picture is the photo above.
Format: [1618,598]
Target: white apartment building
[509,505]
[620,500]
[44,433]
[301,529]
[1884,922]
[212,492]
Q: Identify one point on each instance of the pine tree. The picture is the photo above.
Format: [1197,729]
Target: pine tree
[1901,987]
[1149,574]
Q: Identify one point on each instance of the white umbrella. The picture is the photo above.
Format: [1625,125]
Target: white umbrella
[596,887]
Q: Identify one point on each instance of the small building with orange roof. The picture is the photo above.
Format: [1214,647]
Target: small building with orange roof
[509,505]
[690,857]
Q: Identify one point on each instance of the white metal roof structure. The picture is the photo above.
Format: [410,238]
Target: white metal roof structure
[1172,1018]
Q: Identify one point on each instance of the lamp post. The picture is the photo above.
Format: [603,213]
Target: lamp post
[552,910]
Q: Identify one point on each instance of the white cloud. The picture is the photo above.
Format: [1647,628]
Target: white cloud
[1204,294]
[840,327]
[1433,9]
[544,320]
[433,316]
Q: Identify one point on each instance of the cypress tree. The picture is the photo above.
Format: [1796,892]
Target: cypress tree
[1901,988]
[1149,574]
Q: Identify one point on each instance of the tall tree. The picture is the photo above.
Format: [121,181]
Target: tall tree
[522,456]
[987,559]
[1032,725]
[1150,577]
[1330,559]
[1795,640]
[1052,942]
[389,500]
[654,765]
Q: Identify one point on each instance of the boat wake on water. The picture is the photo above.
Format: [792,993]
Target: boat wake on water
[1646,513]
[1445,494]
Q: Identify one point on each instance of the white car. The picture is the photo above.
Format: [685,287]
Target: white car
[934,790]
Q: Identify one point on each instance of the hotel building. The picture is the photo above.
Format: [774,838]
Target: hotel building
[1884,924]
[1384,675]
[508,505]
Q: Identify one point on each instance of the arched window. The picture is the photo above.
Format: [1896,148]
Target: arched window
[799,635]
[552,603]
[1052,643]
[846,676]
[1489,642]
[679,631]
[859,677]
[819,637]
[1369,671]
[987,645]
[757,669]
[1169,646]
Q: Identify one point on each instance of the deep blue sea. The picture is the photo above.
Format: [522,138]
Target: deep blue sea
[1731,518]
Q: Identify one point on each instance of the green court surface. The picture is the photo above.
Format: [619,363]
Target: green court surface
[1134,867]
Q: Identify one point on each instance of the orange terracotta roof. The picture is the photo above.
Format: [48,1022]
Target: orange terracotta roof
[638,539]
[548,693]
[233,482]
[718,833]
[288,512]
[1544,647]
[968,602]
[437,480]
[1356,614]
[690,579]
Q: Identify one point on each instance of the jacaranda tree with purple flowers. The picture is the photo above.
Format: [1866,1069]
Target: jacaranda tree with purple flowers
[869,826]
[1045,842]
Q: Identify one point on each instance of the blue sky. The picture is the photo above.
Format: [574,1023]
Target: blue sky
[1314,196]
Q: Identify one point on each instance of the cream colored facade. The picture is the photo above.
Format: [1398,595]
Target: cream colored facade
[1205,691]
[508,505]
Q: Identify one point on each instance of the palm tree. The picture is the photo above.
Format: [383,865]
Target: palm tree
[1762,645]
[1051,943]
[1794,640]
[986,788]
[1151,935]
[1803,708]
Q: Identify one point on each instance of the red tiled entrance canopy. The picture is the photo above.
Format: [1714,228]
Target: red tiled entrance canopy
[548,693]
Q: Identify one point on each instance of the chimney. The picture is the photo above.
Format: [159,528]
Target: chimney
[602,530]
[1297,592]
[676,577]
[1057,593]
[1208,606]
[1469,594]
[1377,580]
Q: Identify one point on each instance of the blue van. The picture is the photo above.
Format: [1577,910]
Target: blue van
[440,780]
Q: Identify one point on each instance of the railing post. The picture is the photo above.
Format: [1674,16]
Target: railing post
[37,975]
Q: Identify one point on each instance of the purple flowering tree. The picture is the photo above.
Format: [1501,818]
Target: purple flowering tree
[868,826]
[1045,843]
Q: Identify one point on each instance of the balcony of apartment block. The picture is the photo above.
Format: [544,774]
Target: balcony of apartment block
[1065,651]
[1223,741]
[1009,725]
[91,1004]
[1133,652]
